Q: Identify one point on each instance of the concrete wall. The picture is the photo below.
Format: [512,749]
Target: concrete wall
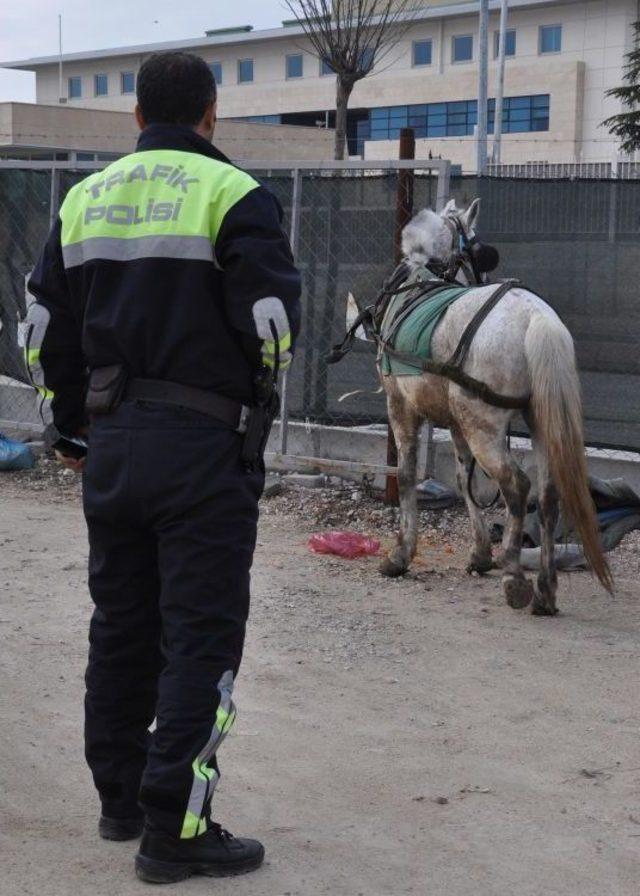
[596,34]
[65,127]
[368,445]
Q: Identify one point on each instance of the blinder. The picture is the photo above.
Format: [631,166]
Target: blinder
[483,257]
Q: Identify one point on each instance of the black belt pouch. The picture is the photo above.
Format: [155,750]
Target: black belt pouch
[106,389]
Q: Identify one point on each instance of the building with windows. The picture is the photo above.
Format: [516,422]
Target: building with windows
[561,56]
[69,133]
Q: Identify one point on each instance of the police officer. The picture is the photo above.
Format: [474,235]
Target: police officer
[166,299]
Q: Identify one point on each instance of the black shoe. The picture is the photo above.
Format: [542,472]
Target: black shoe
[163,859]
[120,828]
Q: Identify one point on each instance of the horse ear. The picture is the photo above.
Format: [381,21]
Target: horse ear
[471,214]
[449,207]
[353,310]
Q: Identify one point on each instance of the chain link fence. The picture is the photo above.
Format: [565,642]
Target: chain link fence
[25,210]
[576,242]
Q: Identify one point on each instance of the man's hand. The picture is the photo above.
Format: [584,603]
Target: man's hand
[71,463]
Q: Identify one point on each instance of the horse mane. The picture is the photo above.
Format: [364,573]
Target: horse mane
[426,236]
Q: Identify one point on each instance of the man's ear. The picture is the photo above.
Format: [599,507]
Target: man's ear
[139,119]
[471,214]
[208,122]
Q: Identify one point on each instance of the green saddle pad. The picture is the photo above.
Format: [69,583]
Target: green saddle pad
[411,330]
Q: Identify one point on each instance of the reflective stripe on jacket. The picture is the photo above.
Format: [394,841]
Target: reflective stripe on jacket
[171,261]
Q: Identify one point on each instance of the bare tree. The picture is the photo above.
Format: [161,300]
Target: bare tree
[351,37]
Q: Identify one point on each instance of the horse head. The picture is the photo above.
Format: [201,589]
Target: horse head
[447,243]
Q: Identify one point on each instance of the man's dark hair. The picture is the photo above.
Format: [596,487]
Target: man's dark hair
[174,88]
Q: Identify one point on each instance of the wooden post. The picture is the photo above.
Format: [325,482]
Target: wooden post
[404,211]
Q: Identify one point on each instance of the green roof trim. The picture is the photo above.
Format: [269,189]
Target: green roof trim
[291,23]
[237,29]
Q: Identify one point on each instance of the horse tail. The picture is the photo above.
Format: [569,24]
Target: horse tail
[556,404]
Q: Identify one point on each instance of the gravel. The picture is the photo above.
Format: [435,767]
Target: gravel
[444,534]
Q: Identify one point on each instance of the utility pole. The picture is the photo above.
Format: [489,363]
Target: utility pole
[483,77]
[404,213]
[61,98]
[497,131]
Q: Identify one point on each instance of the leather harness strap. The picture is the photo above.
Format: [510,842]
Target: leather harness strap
[462,349]
[457,375]
[452,369]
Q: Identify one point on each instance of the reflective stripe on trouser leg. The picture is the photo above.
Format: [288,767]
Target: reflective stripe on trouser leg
[204,777]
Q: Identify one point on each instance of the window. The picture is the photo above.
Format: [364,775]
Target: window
[75,87]
[456,119]
[550,38]
[462,48]
[294,66]
[522,114]
[367,58]
[100,85]
[509,43]
[245,71]
[262,119]
[216,71]
[325,68]
[422,52]
[127,82]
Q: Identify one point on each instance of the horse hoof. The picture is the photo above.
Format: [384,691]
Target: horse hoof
[481,565]
[519,592]
[542,608]
[391,569]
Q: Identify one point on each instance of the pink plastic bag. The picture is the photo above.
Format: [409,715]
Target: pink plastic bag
[344,544]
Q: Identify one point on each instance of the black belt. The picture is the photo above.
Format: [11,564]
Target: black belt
[233,413]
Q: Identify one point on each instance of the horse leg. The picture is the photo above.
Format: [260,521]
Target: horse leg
[493,457]
[544,603]
[406,426]
[480,560]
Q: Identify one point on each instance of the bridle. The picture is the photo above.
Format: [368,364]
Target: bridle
[468,255]
[462,257]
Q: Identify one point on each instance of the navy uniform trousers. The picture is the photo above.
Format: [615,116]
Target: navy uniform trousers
[171,514]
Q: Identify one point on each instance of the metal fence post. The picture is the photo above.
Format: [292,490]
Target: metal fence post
[54,195]
[444,185]
[404,213]
[294,239]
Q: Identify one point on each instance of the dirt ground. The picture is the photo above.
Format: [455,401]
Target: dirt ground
[394,737]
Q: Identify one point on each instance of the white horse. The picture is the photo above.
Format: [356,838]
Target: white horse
[521,349]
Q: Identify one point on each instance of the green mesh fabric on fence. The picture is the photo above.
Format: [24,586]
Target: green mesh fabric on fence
[575,242]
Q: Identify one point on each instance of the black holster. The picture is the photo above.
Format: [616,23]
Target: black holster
[106,389]
[259,423]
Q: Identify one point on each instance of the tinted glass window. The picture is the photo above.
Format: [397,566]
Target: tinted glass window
[509,43]
[422,52]
[294,66]
[127,82]
[462,48]
[101,85]
[245,71]
[458,119]
[75,87]
[367,59]
[550,38]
